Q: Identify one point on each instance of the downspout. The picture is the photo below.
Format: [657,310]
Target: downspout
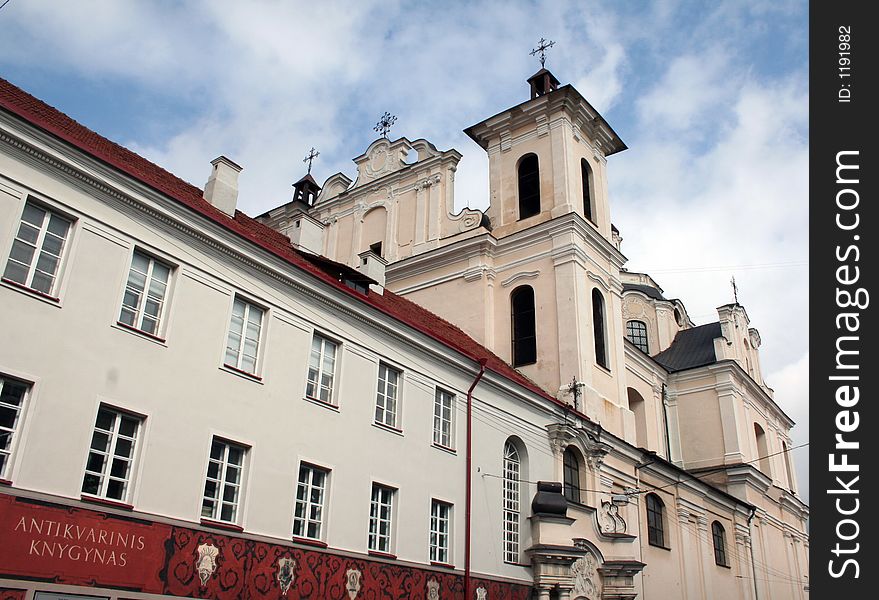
[467,582]
[753,566]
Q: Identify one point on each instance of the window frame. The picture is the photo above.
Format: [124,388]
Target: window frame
[380,394]
[439,541]
[718,534]
[14,435]
[512,503]
[375,538]
[439,420]
[221,482]
[532,209]
[318,382]
[586,177]
[257,358]
[521,353]
[571,485]
[642,340]
[656,526]
[105,476]
[139,313]
[62,258]
[308,504]
[599,329]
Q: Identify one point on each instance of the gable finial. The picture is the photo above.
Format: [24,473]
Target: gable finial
[735,289]
[312,154]
[542,46]
[385,123]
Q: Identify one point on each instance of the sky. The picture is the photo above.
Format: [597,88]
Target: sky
[710,97]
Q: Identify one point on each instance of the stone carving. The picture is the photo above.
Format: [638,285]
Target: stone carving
[609,518]
[481,593]
[433,590]
[206,563]
[587,584]
[595,452]
[425,183]
[352,582]
[286,575]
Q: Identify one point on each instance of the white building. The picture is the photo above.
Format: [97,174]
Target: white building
[197,403]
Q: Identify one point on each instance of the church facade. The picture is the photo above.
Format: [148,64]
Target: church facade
[363,393]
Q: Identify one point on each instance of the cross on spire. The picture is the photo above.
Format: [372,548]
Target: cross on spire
[735,289]
[542,46]
[312,154]
[384,124]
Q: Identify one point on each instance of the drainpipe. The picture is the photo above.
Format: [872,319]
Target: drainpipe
[753,566]
[467,582]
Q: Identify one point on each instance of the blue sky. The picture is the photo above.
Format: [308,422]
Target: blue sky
[711,98]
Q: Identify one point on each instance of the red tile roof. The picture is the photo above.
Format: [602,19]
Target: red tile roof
[39,114]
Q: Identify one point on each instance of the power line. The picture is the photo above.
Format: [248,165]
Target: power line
[5,2]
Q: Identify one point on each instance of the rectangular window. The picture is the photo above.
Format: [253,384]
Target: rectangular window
[380,518]
[36,253]
[144,299]
[222,488]
[440,519]
[111,455]
[12,395]
[308,515]
[443,412]
[386,398]
[321,369]
[242,345]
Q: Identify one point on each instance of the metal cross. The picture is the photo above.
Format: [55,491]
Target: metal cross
[542,47]
[312,154]
[384,124]
[735,289]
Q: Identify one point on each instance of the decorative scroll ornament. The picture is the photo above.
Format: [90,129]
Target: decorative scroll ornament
[206,563]
[286,575]
[610,519]
[433,590]
[352,582]
[595,452]
[587,584]
[481,593]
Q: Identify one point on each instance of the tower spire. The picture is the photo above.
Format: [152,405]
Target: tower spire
[542,46]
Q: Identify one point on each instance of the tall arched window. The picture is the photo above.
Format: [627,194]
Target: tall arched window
[586,175]
[762,450]
[572,475]
[529,186]
[719,537]
[636,332]
[598,328]
[639,408]
[524,328]
[512,496]
[655,521]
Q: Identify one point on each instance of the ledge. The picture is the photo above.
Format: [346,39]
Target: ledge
[441,565]
[5,482]
[451,451]
[240,373]
[221,525]
[106,502]
[378,554]
[658,546]
[322,404]
[140,332]
[388,428]
[309,542]
[31,291]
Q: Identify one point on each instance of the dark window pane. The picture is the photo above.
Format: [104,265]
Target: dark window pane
[529,187]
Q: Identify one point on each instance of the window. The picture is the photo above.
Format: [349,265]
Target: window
[440,517]
[598,328]
[655,521]
[222,488]
[586,176]
[308,514]
[37,250]
[386,398]
[443,411]
[572,475]
[321,369]
[144,300]
[529,186]
[762,450]
[787,466]
[380,518]
[242,345]
[12,394]
[512,470]
[636,332]
[719,537]
[111,455]
[524,328]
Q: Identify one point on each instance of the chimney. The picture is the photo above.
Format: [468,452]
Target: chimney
[221,190]
[306,233]
[373,266]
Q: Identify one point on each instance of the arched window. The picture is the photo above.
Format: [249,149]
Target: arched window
[719,537]
[572,475]
[762,450]
[636,332]
[655,521]
[529,186]
[638,407]
[598,328]
[524,329]
[512,494]
[586,175]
